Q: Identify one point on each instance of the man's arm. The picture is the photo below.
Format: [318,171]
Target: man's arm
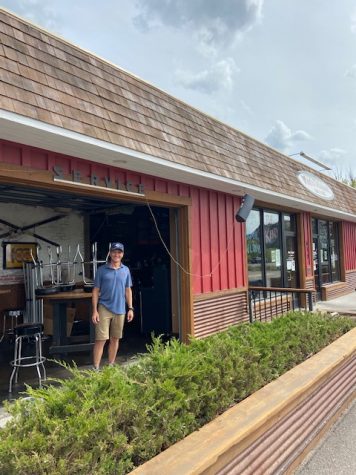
[128,295]
[94,301]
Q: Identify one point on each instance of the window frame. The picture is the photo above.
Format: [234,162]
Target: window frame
[283,233]
[316,236]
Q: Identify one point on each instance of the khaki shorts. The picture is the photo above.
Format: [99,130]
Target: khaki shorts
[110,324]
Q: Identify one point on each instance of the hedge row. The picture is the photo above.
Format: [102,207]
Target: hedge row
[110,422]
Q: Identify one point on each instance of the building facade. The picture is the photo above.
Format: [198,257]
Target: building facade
[107,156]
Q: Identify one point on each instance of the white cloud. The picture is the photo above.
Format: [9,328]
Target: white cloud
[351,72]
[220,76]
[333,155]
[282,138]
[214,23]
[353,22]
[38,11]
[339,160]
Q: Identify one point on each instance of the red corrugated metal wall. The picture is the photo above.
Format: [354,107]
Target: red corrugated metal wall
[218,241]
[349,241]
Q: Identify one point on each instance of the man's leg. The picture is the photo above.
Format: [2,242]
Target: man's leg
[113,349]
[117,325]
[101,334]
[98,352]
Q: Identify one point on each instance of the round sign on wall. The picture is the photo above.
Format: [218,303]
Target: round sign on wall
[315,185]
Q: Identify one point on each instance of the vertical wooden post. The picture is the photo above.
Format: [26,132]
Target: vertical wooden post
[185,251]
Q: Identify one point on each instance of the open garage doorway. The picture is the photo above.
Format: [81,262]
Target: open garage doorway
[59,217]
[145,232]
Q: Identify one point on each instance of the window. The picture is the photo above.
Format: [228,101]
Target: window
[325,252]
[271,249]
[334,251]
[254,248]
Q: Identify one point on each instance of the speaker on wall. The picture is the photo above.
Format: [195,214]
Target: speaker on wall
[245,208]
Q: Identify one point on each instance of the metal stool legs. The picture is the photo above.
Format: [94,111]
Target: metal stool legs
[14,315]
[20,361]
[3,327]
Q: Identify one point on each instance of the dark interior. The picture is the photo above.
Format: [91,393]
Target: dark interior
[145,256]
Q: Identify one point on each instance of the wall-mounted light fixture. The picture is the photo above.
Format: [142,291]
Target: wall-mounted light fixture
[245,208]
[304,155]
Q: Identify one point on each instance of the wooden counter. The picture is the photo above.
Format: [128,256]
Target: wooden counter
[73,295]
[61,343]
[4,291]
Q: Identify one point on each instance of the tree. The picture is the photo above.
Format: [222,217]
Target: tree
[348,179]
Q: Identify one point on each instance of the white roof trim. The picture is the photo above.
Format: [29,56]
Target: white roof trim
[21,129]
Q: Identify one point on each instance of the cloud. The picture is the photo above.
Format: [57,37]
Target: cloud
[351,72]
[214,23]
[333,155]
[353,21]
[282,138]
[37,11]
[220,76]
[339,160]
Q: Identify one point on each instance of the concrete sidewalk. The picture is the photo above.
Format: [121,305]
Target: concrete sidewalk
[336,452]
[345,305]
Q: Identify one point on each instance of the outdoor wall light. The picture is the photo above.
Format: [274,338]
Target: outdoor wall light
[304,155]
[245,208]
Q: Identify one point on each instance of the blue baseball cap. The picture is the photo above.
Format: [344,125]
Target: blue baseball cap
[117,246]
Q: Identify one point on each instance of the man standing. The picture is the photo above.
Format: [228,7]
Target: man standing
[112,287]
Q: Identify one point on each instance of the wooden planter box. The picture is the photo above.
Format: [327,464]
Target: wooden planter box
[272,430]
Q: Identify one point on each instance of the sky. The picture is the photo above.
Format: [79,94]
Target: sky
[283,72]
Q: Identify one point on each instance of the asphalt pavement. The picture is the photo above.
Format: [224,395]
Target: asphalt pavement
[336,452]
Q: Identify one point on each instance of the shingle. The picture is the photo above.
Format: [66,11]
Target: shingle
[66,86]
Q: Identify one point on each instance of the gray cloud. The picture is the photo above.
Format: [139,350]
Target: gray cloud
[213,22]
[219,76]
[282,138]
[37,11]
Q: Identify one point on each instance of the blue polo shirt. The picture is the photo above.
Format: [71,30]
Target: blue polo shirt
[112,284]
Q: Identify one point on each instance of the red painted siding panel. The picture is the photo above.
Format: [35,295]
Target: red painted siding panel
[244,255]
[205,241]
[214,241]
[239,237]
[224,283]
[349,241]
[11,154]
[172,189]
[195,226]
[37,160]
[161,186]
[183,190]
[230,218]
[222,242]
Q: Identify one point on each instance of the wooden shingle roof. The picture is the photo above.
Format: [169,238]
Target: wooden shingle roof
[44,77]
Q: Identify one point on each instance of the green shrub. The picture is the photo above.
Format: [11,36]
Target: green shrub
[112,421]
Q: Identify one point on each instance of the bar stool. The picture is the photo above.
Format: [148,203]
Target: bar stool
[31,332]
[14,315]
